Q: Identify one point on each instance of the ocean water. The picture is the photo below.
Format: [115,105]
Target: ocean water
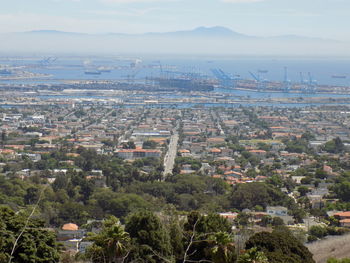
[62,69]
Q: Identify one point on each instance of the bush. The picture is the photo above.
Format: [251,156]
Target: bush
[318,231]
[311,238]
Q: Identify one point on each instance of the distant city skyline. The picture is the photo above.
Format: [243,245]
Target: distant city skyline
[311,18]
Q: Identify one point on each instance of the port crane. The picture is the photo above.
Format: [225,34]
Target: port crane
[312,84]
[261,82]
[308,85]
[225,79]
[287,85]
[302,80]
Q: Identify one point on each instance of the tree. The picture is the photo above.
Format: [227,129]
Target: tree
[149,145]
[334,260]
[252,194]
[129,145]
[150,240]
[277,221]
[243,219]
[266,220]
[320,174]
[334,146]
[35,244]
[111,245]
[308,136]
[280,246]
[342,190]
[253,255]
[318,231]
[3,137]
[222,248]
[176,239]
[207,238]
[303,190]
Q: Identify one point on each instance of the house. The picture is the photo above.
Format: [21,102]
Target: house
[260,153]
[276,210]
[229,216]
[281,212]
[344,218]
[70,231]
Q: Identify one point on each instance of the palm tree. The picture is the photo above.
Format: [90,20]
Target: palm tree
[111,244]
[223,250]
[253,255]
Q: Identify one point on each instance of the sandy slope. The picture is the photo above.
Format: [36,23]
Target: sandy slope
[336,246]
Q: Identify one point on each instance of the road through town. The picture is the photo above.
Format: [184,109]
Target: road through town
[169,159]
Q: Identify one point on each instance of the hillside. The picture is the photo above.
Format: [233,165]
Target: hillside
[337,247]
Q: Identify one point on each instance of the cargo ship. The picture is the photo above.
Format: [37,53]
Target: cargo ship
[92,72]
[5,72]
[338,76]
[104,70]
[263,71]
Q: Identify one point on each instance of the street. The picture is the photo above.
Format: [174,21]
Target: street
[169,159]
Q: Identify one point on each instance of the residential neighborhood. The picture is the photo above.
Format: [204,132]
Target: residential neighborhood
[303,153]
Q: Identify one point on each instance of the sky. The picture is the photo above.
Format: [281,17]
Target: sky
[313,18]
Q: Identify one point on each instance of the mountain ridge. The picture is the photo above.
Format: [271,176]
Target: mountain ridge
[215,31]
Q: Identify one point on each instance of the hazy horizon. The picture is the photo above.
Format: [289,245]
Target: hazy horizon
[263,27]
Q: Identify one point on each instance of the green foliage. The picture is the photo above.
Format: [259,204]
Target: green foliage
[280,246]
[243,219]
[112,244]
[320,174]
[150,240]
[252,194]
[306,180]
[221,249]
[266,220]
[118,204]
[303,190]
[334,260]
[129,145]
[308,136]
[179,161]
[277,221]
[35,245]
[264,146]
[253,255]
[176,239]
[334,146]
[275,180]
[318,231]
[208,238]
[79,113]
[342,190]
[149,145]
[297,145]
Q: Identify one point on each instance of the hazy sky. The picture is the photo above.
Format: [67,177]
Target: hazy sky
[317,18]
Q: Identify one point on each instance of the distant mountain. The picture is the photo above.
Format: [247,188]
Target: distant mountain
[202,40]
[217,31]
[51,32]
[202,32]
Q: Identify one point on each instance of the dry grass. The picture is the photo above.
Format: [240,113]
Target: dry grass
[336,246]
